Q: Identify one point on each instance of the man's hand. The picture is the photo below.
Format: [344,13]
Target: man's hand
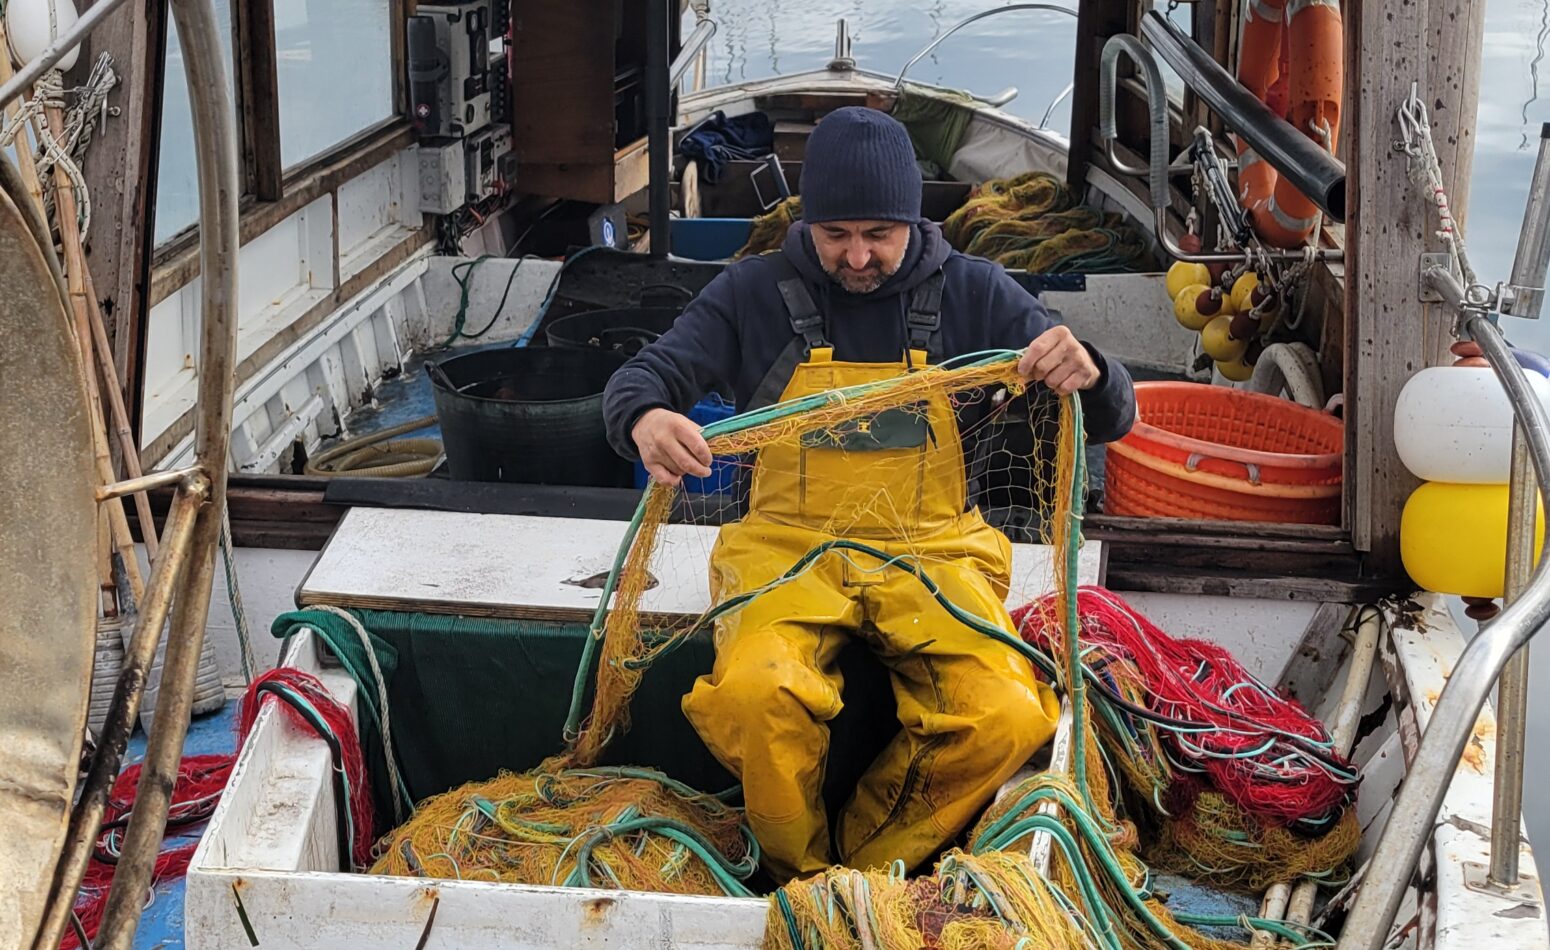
[1059,361]
[671,446]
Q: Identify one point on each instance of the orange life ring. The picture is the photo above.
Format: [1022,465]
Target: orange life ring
[1310,36]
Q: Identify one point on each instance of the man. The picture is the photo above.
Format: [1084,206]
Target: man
[862,290]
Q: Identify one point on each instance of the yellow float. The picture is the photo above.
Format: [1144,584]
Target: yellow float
[1183,274]
[1197,305]
[1236,371]
[1453,538]
[1453,429]
[1217,341]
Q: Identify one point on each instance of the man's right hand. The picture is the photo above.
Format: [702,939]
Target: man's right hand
[670,446]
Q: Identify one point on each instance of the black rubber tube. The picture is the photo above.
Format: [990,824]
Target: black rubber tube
[658,108]
[342,813]
[1316,173]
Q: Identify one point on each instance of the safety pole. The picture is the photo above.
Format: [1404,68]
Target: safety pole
[659,121]
[1512,688]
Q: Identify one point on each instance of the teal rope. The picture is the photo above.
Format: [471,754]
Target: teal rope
[366,684]
[463,274]
[728,876]
[1076,682]
[600,615]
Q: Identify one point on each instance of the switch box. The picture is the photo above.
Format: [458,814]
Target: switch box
[443,176]
[488,156]
[449,67]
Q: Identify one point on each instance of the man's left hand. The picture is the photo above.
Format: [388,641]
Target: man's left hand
[1059,361]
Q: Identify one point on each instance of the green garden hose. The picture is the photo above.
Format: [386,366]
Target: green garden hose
[372,456]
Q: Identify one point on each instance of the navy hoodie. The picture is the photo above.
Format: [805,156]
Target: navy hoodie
[731,334]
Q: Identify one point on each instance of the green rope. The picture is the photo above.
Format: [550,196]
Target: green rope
[728,876]
[463,274]
[1009,828]
[600,615]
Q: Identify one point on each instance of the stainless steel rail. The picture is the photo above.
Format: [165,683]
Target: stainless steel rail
[1007,8]
[1411,822]
[185,566]
[55,51]
[1158,170]
[690,50]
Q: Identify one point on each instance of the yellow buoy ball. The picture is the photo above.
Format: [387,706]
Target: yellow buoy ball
[1182,274]
[1217,341]
[1242,288]
[1237,371]
[1197,305]
[1453,538]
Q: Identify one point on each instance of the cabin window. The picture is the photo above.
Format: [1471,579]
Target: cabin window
[1182,16]
[177,184]
[335,70]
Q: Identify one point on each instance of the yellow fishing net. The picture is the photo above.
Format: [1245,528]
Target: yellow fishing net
[607,827]
[1032,222]
[769,229]
[849,478]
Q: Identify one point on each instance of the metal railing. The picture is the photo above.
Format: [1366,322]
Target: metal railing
[1498,654]
[181,577]
[1157,171]
[1006,95]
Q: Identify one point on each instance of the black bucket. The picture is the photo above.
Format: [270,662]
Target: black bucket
[623,331]
[532,415]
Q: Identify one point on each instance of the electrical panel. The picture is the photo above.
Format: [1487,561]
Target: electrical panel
[443,176]
[490,162]
[449,67]
[500,89]
[500,17]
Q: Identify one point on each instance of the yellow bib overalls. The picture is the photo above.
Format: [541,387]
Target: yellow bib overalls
[971,709]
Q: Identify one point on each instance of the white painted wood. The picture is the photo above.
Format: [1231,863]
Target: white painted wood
[315,911]
[487,282]
[1128,317]
[273,839]
[1261,633]
[278,809]
[267,453]
[371,208]
[1382,772]
[1468,919]
[313,364]
[451,561]
[267,578]
[1426,650]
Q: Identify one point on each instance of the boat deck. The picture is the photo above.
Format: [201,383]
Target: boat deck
[408,396]
[161,925]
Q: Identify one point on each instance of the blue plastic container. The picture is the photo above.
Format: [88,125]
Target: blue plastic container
[723,469]
[709,239]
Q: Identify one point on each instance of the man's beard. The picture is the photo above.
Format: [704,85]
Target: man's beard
[864,281]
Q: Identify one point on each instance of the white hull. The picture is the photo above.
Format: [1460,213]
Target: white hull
[271,845]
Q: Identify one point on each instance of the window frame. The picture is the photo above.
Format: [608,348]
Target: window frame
[269,192]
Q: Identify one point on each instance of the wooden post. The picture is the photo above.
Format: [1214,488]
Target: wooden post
[1451,91]
[122,178]
[1389,334]
[1096,21]
[75,272]
[258,99]
[24,160]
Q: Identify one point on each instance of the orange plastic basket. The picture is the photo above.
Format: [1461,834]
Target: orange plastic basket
[1221,454]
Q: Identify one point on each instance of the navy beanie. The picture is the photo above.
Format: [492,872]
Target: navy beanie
[860,166]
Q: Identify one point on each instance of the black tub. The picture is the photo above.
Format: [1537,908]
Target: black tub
[624,331]
[531,415]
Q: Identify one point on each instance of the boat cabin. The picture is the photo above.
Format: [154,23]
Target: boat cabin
[457,219]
